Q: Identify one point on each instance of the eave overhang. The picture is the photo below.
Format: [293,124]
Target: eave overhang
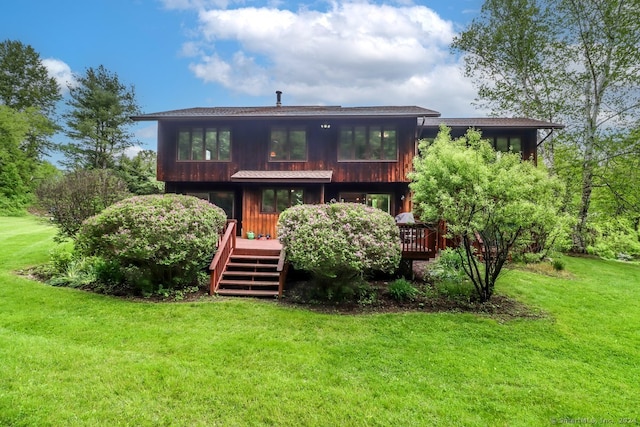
[301,177]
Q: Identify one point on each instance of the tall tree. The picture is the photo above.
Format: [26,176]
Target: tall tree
[573,61]
[98,119]
[25,84]
[491,202]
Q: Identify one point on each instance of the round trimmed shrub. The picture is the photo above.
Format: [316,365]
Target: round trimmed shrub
[159,241]
[340,241]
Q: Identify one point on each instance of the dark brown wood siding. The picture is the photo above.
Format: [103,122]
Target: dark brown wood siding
[250,145]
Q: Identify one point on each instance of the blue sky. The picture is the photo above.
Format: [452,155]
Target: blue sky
[194,53]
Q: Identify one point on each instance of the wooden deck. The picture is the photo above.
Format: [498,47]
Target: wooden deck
[258,244]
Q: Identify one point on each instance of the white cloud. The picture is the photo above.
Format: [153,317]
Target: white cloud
[147,132]
[353,53]
[60,71]
[133,151]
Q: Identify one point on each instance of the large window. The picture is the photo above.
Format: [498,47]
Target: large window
[504,143]
[367,143]
[288,144]
[276,200]
[380,201]
[204,144]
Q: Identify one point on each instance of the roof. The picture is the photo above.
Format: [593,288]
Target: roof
[317,176]
[290,112]
[489,122]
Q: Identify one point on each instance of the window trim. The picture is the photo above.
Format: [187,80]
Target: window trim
[203,134]
[383,128]
[287,143]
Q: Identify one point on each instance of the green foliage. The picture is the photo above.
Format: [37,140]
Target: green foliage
[403,290]
[61,257]
[79,195]
[18,170]
[78,273]
[26,86]
[611,237]
[158,240]
[100,110]
[339,242]
[593,86]
[140,173]
[558,263]
[492,203]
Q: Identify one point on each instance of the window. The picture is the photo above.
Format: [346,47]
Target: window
[277,200]
[288,144]
[204,144]
[380,201]
[503,143]
[222,199]
[373,143]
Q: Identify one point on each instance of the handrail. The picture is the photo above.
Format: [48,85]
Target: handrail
[226,245]
[419,238]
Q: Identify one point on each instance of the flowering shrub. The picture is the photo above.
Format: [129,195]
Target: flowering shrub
[339,241]
[161,240]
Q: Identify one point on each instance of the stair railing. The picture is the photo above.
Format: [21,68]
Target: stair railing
[283,267]
[226,245]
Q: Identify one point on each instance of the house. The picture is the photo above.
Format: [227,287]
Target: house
[254,162]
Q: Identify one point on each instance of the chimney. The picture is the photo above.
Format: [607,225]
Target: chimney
[278,98]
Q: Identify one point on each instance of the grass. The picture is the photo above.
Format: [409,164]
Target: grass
[70,358]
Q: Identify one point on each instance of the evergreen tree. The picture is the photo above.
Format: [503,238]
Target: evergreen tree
[98,120]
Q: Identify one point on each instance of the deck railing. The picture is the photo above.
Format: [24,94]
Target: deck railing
[418,240]
[226,245]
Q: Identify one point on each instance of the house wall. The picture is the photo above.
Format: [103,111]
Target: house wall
[250,151]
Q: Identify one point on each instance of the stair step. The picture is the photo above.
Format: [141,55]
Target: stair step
[247,292]
[250,265]
[256,257]
[251,273]
[226,282]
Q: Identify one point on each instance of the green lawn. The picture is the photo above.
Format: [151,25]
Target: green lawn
[72,358]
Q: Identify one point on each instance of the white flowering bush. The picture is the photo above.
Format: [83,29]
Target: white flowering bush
[339,241]
[160,241]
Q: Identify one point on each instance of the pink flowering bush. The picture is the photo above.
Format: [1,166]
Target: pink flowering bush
[339,242]
[159,241]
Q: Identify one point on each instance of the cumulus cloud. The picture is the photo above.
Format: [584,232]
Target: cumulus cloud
[61,72]
[352,53]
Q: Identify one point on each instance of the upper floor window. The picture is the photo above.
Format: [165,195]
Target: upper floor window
[204,144]
[288,144]
[504,143]
[372,143]
[277,200]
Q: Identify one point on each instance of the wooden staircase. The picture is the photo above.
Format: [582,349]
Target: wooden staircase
[247,268]
[251,272]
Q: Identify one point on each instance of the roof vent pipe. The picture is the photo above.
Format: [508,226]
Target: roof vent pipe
[278,98]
